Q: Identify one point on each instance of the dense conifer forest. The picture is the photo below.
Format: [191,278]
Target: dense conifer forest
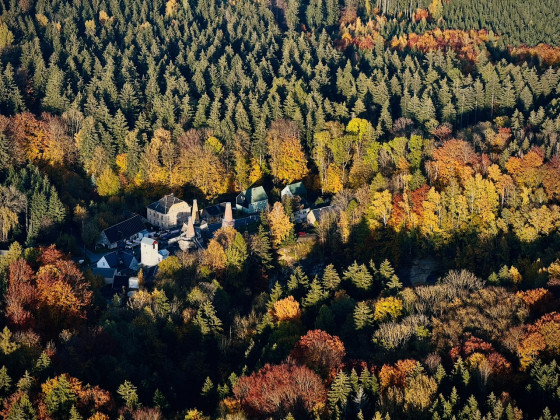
[423,279]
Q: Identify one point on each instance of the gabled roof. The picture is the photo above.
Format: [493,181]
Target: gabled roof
[164,204]
[318,213]
[106,273]
[125,229]
[116,258]
[251,195]
[215,210]
[298,189]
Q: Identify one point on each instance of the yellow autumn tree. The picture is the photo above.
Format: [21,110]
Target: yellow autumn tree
[157,171]
[286,309]
[215,256]
[287,158]
[332,182]
[108,183]
[389,308]
[171,8]
[431,215]
[199,165]
[380,209]
[280,224]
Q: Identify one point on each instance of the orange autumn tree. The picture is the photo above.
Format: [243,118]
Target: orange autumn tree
[541,339]
[319,351]
[535,299]
[527,171]
[30,135]
[548,55]
[481,355]
[455,158]
[397,374]
[56,296]
[464,43]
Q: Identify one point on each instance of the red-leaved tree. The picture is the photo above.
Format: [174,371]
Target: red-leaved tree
[276,390]
[319,351]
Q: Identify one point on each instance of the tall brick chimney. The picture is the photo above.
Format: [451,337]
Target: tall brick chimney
[190,229]
[228,216]
[195,213]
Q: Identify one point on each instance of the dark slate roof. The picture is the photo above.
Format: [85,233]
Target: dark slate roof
[120,282]
[215,210]
[298,189]
[106,273]
[150,273]
[119,258]
[164,204]
[125,229]
[252,195]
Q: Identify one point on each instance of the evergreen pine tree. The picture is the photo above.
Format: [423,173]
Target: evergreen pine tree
[315,294]
[119,131]
[74,414]
[339,393]
[5,381]
[331,279]
[359,276]
[363,315]
[127,391]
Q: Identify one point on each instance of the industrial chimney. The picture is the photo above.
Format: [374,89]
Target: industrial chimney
[228,216]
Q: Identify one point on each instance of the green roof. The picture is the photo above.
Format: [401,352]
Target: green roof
[252,195]
[298,188]
[256,194]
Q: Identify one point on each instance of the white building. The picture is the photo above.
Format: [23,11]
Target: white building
[150,254]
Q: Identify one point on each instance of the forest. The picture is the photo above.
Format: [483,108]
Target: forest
[430,129]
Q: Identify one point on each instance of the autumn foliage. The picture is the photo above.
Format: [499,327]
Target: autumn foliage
[363,36]
[455,158]
[55,296]
[540,339]
[464,43]
[286,309]
[276,390]
[543,53]
[476,352]
[535,299]
[396,375]
[319,351]
[86,398]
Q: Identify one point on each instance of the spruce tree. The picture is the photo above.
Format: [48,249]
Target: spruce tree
[315,294]
[363,315]
[337,396]
[359,276]
[330,279]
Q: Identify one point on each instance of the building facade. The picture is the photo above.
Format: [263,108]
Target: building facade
[168,212]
